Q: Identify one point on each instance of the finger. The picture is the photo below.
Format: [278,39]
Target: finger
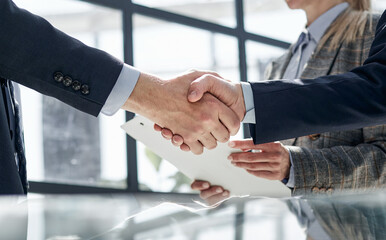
[269,147]
[229,118]
[166,133]
[242,144]
[208,83]
[219,115]
[208,141]
[264,174]
[254,157]
[248,144]
[196,147]
[198,73]
[157,127]
[211,191]
[218,198]
[184,147]
[256,166]
[177,140]
[200,185]
[221,133]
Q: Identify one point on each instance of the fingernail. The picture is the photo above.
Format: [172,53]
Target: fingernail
[219,190]
[230,157]
[205,185]
[231,144]
[225,194]
[234,163]
[192,94]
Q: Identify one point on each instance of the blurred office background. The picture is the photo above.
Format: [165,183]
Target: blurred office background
[69,151]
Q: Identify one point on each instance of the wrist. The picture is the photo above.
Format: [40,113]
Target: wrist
[142,98]
[288,163]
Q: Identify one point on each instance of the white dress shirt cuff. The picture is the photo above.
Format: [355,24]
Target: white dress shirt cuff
[122,90]
[249,103]
[291,179]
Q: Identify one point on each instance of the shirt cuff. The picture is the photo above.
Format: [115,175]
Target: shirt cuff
[249,103]
[122,90]
[291,179]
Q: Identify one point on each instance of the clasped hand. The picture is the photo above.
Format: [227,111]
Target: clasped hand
[201,121]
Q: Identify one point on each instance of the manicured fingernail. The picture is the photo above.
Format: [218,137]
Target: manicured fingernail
[230,157]
[225,194]
[231,144]
[219,190]
[205,185]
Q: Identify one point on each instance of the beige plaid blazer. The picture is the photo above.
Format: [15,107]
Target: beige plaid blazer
[336,161]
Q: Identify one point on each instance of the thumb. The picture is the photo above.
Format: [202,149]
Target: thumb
[209,83]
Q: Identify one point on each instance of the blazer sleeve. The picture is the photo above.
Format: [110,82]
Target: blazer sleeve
[36,55]
[286,109]
[341,167]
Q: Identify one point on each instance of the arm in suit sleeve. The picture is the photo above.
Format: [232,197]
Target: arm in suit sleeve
[341,167]
[32,51]
[286,109]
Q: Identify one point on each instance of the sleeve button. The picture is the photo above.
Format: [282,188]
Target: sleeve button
[315,190]
[76,85]
[85,89]
[314,137]
[67,81]
[58,77]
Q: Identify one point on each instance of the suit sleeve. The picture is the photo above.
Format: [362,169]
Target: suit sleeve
[32,51]
[286,109]
[341,167]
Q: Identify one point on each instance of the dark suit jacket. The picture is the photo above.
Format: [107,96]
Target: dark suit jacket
[31,52]
[286,109]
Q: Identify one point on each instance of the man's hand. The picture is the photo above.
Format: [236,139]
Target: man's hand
[272,160]
[201,123]
[211,194]
[228,92]
[176,139]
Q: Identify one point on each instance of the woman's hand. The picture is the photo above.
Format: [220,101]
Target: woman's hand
[269,160]
[211,194]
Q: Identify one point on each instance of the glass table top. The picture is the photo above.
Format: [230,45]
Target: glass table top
[144,216]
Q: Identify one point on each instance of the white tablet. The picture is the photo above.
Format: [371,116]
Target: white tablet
[212,166]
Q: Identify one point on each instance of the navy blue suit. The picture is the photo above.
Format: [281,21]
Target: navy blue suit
[286,109]
[36,55]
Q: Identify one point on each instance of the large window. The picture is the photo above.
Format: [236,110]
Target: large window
[64,145]
[69,151]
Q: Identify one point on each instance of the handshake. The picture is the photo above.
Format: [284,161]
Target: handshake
[195,109]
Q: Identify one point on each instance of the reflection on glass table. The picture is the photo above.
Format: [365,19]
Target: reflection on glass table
[169,216]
